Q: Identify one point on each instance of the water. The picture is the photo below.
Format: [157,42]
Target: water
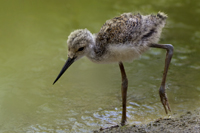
[33,49]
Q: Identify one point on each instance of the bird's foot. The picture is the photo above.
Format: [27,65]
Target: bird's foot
[123,122]
[164,99]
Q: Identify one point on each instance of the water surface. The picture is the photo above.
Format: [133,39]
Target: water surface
[33,50]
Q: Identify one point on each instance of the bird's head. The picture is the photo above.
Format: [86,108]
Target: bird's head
[79,42]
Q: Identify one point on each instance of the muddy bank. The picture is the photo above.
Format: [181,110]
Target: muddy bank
[189,122]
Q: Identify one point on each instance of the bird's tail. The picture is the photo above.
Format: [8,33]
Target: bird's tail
[162,15]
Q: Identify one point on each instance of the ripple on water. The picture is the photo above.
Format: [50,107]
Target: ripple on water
[197,67]
[198,88]
[184,50]
[196,37]
[45,108]
[134,104]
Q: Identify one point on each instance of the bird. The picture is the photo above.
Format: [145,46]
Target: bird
[121,39]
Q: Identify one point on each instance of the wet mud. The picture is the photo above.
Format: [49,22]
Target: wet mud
[189,122]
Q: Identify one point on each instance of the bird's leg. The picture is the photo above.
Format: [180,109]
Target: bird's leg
[163,95]
[124,87]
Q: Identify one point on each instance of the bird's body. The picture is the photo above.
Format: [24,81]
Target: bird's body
[120,39]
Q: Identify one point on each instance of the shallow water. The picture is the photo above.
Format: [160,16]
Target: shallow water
[33,50]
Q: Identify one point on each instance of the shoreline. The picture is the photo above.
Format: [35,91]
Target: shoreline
[187,122]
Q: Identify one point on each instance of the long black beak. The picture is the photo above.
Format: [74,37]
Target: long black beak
[67,64]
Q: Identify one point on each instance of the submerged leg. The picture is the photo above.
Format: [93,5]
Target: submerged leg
[124,87]
[163,95]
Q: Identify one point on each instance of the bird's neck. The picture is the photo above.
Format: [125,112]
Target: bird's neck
[96,52]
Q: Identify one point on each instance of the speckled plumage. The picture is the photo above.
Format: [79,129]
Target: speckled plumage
[122,38]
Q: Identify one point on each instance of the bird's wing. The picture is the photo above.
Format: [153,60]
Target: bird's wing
[119,30]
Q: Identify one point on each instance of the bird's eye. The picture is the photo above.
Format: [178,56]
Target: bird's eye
[81,49]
